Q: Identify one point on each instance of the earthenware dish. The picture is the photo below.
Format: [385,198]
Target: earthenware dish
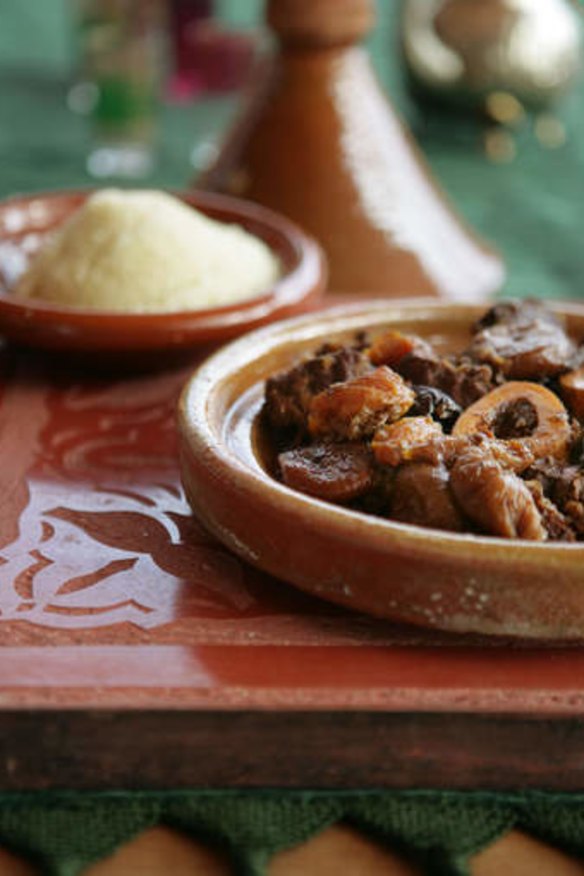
[25,222]
[428,577]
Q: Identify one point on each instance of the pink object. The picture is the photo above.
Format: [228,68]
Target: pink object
[207,58]
[223,59]
[184,15]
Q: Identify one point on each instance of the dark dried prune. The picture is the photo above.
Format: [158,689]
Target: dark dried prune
[432,402]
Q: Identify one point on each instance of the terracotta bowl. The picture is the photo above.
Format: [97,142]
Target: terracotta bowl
[462,583]
[25,221]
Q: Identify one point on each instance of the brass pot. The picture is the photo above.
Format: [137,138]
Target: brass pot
[467,49]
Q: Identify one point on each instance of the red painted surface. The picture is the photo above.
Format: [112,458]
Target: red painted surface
[112,594]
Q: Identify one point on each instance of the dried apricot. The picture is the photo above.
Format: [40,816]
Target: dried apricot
[355,409]
[390,347]
[411,439]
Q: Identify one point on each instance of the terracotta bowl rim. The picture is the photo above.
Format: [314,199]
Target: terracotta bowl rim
[304,274]
[202,438]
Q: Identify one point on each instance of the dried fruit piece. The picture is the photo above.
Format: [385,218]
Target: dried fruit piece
[529,419]
[495,499]
[411,439]
[390,347]
[436,404]
[333,472]
[355,409]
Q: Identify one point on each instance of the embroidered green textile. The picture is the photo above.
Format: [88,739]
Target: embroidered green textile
[64,832]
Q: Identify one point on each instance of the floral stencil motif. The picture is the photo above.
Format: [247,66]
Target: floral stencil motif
[94,528]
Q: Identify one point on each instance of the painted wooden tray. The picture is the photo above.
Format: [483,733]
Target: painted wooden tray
[136,652]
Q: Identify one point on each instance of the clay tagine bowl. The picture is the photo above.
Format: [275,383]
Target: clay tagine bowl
[26,221]
[455,582]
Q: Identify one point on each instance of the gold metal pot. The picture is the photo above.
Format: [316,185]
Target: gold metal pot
[467,49]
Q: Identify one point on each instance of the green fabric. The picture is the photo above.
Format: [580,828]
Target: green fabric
[440,831]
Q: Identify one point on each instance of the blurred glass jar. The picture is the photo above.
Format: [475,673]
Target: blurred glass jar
[465,50]
[123,61]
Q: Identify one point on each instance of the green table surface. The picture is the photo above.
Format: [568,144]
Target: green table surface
[533,209]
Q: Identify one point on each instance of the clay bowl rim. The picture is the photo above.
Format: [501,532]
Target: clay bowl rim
[206,448]
[303,280]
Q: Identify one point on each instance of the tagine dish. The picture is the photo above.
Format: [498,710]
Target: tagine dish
[419,462]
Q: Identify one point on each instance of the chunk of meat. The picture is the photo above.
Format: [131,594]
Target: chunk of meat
[527,417]
[572,391]
[564,486]
[523,340]
[333,472]
[391,347]
[356,409]
[495,499]
[462,379]
[568,492]
[513,312]
[411,439]
[549,473]
[421,495]
[556,524]
[288,395]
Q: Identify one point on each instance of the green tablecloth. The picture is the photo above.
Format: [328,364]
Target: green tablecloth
[533,209]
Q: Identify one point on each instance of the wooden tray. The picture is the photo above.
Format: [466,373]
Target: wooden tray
[136,652]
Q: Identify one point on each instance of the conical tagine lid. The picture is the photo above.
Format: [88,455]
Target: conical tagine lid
[320,142]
